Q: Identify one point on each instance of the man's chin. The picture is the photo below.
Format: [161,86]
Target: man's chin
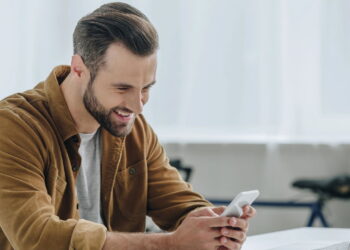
[121,130]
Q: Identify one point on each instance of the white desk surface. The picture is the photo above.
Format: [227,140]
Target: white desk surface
[301,238]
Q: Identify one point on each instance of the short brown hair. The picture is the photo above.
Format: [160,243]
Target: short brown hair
[110,23]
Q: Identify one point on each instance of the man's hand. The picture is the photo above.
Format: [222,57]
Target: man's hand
[248,212]
[204,229]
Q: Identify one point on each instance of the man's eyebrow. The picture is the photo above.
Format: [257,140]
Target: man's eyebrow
[122,85]
[126,85]
[150,84]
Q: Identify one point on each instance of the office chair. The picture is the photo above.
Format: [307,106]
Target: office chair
[185,171]
[325,189]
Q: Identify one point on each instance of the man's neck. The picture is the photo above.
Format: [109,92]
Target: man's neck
[71,90]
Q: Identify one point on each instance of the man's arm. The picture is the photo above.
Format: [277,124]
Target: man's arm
[27,214]
[169,198]
[173,205]
[136,241]
[195,232]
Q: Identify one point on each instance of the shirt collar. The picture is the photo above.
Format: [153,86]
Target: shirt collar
[57,103]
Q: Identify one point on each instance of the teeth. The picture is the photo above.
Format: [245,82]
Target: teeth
[123,114]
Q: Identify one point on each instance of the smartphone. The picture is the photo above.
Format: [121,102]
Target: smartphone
[234,209]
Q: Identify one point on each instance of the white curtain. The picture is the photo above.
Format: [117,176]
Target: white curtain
[249,70]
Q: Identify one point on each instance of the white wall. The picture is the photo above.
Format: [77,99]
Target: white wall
[223,170]
[270,68]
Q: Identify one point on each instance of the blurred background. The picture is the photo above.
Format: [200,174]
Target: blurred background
[252,94]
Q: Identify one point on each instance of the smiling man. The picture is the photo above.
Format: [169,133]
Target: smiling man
[80,168]
[115,96]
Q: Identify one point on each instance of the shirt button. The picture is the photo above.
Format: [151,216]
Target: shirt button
[132,171]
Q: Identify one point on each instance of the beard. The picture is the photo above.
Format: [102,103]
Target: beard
[105,117]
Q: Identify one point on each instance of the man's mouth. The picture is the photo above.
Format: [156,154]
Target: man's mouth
[124,116]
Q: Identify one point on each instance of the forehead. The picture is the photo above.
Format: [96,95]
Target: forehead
[122,63]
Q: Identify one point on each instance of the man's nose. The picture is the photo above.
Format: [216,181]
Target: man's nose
[136,103]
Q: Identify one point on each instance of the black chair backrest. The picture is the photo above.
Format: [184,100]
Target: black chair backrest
[335,187]
[185,171]
[340,186]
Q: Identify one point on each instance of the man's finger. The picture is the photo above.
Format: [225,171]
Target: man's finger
[220,221]
[240,223]
[234,233]
[248,212]
[203,211]
[229,244]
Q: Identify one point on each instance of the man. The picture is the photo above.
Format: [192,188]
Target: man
[79,166]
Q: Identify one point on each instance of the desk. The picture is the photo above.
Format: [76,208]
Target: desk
[305,238]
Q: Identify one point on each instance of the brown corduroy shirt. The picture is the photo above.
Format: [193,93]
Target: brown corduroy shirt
[39,161]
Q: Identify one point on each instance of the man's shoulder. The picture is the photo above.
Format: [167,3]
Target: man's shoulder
[24,100]
[26,108]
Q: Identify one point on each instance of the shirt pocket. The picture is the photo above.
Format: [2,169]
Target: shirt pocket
[130,192]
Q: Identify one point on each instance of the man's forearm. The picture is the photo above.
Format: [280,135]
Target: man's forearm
[131,241]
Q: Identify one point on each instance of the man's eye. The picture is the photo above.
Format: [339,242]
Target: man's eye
[122,89]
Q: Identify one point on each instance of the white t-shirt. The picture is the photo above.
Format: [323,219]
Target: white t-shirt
[89,177]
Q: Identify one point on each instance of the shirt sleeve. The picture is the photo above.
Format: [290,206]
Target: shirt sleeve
[170,198]
[27,216]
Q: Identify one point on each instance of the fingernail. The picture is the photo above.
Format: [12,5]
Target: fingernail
[224,240]
[233,221]
[224,231]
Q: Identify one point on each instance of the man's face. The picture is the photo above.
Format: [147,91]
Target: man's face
[121,88]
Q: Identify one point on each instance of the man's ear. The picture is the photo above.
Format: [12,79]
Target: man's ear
[78,68]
